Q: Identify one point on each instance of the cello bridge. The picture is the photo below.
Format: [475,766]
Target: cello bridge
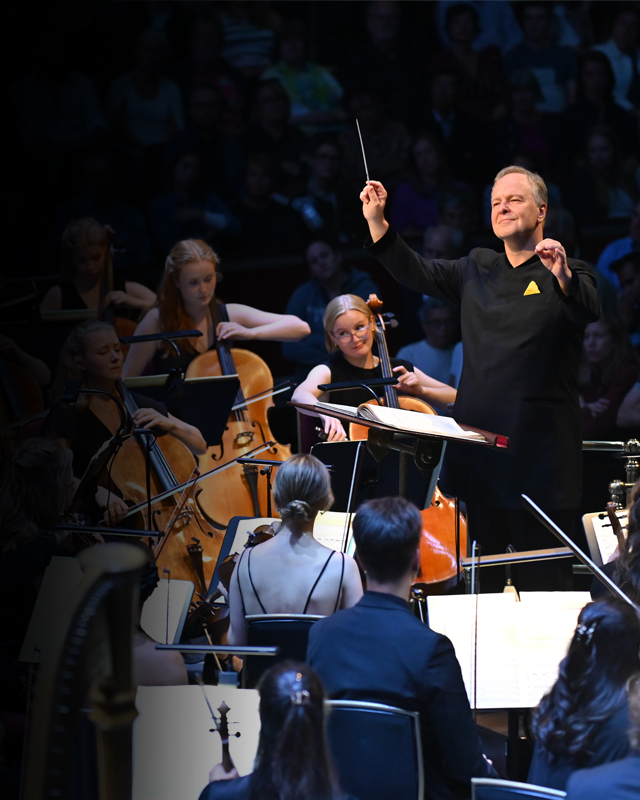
[244,438]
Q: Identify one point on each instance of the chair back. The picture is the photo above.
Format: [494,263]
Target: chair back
[289,632]
[376,749]
[496,789]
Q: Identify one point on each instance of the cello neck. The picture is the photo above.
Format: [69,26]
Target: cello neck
[390,394]
[158,460]
[227,364]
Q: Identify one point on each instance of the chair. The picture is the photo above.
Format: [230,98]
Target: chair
[376,749]
[289,632]
[496,789]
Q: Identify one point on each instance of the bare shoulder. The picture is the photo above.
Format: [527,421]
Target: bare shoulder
[150,323]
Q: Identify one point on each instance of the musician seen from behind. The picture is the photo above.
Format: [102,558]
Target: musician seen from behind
[378,651]
[523,315]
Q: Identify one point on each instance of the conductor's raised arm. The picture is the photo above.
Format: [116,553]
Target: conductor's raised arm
[374,200]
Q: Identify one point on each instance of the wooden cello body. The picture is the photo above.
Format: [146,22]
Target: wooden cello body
[240,490]
[444,533]
[190,546]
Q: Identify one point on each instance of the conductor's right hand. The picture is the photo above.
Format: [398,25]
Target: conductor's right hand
[374,200]
[333,428]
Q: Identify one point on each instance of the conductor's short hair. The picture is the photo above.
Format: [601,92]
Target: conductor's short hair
[387,534]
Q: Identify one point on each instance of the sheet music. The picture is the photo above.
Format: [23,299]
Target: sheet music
[520,644]
[328,529]
[606,538]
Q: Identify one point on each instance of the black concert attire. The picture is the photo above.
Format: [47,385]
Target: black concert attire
[164,359]
[71,299]
[342,371]
[240,789]
[619,780]
[610,743]
[522,341]
[379,651]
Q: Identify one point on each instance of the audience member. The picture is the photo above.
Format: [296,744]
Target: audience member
[337,216]
[525,129]
[479,71]
[293,756]
[629,411]
[313,91]
[86,270]
[145,106]
[189,211]
[496,22]
[595,105]
[432,355]
[620,247]
[462,137]
[247,36]
[101,199]
[272,133]
[553,65]
[329,278]
[610,368]
[221,154]
[622,51]
[583,720]
[315,582]
[204,68]
[414,204]
[602,188]
[386,140]
[627,269]
[266,226]
[619,780]
[394,69]
[379,651]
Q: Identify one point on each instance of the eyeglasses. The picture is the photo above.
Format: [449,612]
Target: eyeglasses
[359,333]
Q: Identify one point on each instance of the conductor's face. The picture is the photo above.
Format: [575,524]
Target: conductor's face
[514,212]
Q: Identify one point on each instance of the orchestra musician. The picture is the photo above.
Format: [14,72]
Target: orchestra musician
[85,272]
[185,303]
[380,652]
[523,315]
[93,354]
[349,328]
[293,758]
[318,580]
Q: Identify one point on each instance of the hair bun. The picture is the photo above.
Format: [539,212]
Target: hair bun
[297,510]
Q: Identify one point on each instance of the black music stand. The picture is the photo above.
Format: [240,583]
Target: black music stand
[205,403]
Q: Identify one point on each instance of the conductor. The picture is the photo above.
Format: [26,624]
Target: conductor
[523,316]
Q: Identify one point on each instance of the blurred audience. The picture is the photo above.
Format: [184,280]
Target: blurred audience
[497,24]
[432,355]
[621,247]
[622,51]
[627,269]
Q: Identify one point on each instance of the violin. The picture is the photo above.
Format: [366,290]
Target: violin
[237,491]
[444,531]
[616,526]
[215,619]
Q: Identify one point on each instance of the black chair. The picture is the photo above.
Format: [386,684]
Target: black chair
[289,632]
[496,789]
[376,750]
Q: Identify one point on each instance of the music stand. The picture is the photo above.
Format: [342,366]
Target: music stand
[202,402]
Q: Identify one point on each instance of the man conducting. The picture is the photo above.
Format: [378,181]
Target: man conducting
[523,314]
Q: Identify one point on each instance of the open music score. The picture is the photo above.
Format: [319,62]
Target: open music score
[601,536]
[519,644]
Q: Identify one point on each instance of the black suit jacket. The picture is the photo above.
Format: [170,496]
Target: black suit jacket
[522,341]
[619,780]
[380,652]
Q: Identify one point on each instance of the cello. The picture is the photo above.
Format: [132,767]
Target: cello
[237,491]
[189,547]
[444,529]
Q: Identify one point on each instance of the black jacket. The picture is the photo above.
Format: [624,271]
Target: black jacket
[380,652]
[522,340]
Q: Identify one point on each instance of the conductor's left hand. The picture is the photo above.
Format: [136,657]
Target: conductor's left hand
[554,257]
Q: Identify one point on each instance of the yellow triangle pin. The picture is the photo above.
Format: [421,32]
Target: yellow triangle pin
[532,288]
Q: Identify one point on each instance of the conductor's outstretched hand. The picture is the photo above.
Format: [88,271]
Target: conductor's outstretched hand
[374,200]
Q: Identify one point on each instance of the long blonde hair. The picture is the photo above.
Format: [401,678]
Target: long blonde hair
[73,349]
[302,488]
[338,306]
[172,313]
[86,232]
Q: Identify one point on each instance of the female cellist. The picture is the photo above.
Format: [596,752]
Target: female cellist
[186,292]
[93,354]
[349,335]
[86,273]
